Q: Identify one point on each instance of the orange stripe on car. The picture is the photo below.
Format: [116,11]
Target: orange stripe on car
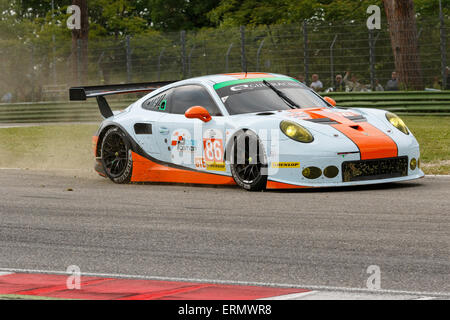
[323,113]
[145,170]
[371,142]
[94,145]
[250,75]
[281,185]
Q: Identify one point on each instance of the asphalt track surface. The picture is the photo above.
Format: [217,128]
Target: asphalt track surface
[320,237]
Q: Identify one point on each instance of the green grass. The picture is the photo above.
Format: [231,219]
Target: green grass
[70,146]
[433,134]
[47,147]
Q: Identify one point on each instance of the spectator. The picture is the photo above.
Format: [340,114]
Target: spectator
[301,78]
[351,85]
[339,84]
[316,84]
[363,87]
[447,72]
[378,86]
[7,97]
[392,85]
[436,83]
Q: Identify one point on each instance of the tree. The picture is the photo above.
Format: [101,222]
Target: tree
[175,15]
[80,44]
[404,42]
[124,17]
[257,12]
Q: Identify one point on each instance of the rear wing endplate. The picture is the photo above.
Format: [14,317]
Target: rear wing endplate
[99,92]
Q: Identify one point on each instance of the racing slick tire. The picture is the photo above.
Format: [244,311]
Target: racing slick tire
[248,162]
[116,156]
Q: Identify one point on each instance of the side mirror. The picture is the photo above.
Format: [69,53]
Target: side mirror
[198,112]
[330,101]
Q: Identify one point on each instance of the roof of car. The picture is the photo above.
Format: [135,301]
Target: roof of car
[218,78]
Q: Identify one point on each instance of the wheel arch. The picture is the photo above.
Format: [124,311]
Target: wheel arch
[101,134]
[231,140]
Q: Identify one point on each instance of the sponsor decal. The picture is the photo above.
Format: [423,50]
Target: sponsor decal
[343,113]
[261,85]
[241,87]
[200,163]
[213,146]
[285,164]
[181,141]
[298,114]
[228,88]
[215,166]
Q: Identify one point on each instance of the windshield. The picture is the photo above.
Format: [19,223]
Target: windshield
[256,96]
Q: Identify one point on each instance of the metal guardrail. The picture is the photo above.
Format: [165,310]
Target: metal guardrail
[401,102]
[62,111]
[411,102]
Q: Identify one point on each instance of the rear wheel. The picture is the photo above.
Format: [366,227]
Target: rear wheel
[248,164]
[116,156]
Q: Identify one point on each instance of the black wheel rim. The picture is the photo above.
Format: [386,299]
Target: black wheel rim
[250,170]
[115,154]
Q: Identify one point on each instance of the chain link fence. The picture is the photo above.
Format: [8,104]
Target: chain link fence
[43,70]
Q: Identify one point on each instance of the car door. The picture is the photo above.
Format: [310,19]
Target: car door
[191,142]
[146,129]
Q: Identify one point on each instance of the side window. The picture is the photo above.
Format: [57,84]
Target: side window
[192,95]
[158,102]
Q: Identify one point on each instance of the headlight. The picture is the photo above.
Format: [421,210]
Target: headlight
[397,122]
[413,164]
[296,131]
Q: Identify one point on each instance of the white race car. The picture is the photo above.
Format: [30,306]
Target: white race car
[256,130]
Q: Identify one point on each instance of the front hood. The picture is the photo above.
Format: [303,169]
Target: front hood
[322,115]
[370,138]
[315,115]
[371,141]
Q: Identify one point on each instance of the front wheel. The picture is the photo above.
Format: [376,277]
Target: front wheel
[116,156]
[248,164]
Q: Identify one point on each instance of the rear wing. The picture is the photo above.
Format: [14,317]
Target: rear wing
[99,92]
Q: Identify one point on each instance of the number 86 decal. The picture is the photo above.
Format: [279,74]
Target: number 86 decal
[213,150]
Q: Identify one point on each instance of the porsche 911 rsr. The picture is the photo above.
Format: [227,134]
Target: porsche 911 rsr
[256,130]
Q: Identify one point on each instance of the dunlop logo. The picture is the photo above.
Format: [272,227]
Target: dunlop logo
[285,164]
[215,166]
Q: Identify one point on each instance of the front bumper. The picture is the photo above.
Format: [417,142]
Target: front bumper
[290,184]
[292,174]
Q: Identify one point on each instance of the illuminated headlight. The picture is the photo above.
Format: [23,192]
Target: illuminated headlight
[397,122]
[296,131]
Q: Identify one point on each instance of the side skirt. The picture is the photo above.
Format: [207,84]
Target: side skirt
[145,170]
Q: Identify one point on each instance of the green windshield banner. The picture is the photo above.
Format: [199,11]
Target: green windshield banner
[241,81]
[239,86]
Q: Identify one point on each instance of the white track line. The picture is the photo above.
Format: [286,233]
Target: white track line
[292,296]
[425,298]
[241,283]
[437,176]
